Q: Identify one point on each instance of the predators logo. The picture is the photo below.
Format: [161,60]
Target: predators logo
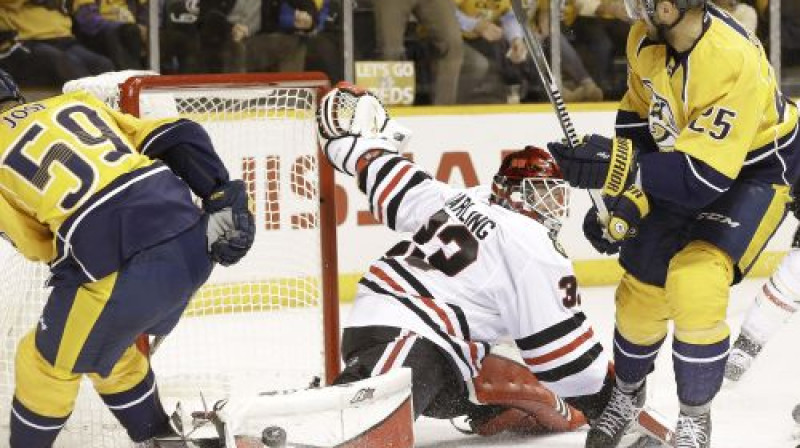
[662,124]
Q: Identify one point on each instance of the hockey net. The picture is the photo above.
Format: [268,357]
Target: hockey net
[269,322]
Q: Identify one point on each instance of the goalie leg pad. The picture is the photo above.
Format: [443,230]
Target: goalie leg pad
[437,389]
[505,382]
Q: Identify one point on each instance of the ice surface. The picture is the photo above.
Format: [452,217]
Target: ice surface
[755,413]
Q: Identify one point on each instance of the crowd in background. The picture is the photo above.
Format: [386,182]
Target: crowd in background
[464,51]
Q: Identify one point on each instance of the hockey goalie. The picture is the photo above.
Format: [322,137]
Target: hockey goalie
[479,266]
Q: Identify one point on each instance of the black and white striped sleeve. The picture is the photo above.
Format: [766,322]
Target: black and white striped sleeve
[400,194]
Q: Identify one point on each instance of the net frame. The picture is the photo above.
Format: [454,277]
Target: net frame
[129,102]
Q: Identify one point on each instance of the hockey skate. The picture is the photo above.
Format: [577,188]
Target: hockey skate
[693,431]
[744,350]
[617,416]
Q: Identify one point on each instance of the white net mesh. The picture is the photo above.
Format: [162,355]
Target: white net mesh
[254,326]
[105,85]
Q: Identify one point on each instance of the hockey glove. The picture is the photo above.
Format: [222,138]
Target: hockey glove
[625,212]
[597,162]
[356,116]
[593,229]
[231,224]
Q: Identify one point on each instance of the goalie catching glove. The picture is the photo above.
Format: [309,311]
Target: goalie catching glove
[354,127]
[598,162]
[231,224]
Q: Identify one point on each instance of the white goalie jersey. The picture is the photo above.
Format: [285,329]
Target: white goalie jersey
[474,273]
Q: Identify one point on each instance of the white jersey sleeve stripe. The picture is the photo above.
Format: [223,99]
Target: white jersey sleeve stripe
[386,181]
[394,204]
[378,206]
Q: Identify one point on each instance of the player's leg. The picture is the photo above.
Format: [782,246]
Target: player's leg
[52,359]
[371,351]
[391,18]
[641,320]
[44,397]
[775,303]
[131,394]
[641,326]
[439,19]
[90,329]
[725,242]
[697,288]
[149,296]
[515,400]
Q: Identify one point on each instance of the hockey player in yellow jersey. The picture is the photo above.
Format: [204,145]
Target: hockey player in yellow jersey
[695,182]
[104,199]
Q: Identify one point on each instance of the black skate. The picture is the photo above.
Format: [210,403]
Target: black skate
[617,416]
[744,350]
[693,431]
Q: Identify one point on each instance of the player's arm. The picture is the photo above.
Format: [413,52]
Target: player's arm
[361,140]
[185,147]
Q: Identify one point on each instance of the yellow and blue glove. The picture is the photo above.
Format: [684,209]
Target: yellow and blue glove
[598,162]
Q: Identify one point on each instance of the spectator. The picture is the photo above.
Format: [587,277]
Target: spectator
[45,29]
[493,51]
[180,37]
[790,32]
[585,87]
[439,19]
[601,31]
[271,35]
[325,45]
[244,19]
[113,28]
[16,58]
[217,32]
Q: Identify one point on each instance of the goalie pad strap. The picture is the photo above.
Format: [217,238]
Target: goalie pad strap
[505,382]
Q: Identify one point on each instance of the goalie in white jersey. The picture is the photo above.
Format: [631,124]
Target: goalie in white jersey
[481,266]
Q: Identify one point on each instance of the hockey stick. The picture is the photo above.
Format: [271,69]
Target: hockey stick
[554,95]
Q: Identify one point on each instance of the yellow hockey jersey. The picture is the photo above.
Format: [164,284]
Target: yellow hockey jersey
[75,190]
[719,102]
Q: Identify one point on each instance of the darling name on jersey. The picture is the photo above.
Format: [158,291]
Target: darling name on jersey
[477,223]
[11,117]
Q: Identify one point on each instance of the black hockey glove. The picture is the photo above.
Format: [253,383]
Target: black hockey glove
[593,230]
[597,162]
[231,224]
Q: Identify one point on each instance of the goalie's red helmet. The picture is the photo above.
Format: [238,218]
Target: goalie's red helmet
[529,181]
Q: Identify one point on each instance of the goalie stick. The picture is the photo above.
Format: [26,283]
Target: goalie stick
[554,95]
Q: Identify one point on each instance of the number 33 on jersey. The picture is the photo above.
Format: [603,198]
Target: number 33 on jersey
[55,155]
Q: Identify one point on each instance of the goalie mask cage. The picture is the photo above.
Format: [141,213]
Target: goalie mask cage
[269,322]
